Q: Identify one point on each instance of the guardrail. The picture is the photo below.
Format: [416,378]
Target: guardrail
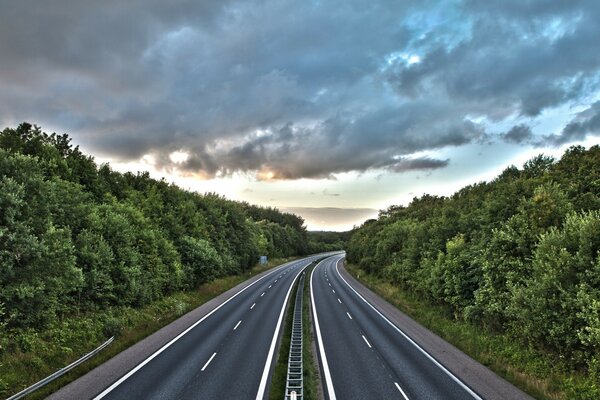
[60,372]
[295,384]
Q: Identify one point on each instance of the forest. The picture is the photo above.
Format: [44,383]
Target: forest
[518,255]
[76,237]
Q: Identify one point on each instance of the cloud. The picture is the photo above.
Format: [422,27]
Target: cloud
[517,57]
[289,90]
[340,219]
[518,134]
[421,163]
[583,124]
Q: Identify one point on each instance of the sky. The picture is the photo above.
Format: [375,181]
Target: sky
[329,109]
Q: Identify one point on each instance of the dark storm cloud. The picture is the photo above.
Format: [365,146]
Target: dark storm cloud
[518,134]
[295,89]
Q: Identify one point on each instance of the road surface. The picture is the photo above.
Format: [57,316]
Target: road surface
[364,355]
[226,354]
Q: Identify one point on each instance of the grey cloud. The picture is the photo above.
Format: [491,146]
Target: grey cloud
[508,64]
[295,89]
[585,123]
[518,134]
[422,163]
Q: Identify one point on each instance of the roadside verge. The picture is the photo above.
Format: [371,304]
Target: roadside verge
[475,375]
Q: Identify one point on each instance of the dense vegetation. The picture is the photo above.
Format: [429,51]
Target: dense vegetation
[518,255]
[75,237]
[324,241]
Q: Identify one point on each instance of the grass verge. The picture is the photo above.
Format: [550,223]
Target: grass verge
[32,355]
[539,374]
[311,377]
[279,377]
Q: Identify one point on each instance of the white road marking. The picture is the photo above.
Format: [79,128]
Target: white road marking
[236,325]
[339,300]
[263,293]
[426,354]
[348,314]
[333,291]
[328,383]
[366,341]
[270,286]
[401,391]
[252,306]
[208,362]
[176,338]
[275,281]
[265,376]
[329,284]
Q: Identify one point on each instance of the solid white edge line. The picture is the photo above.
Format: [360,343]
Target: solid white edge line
[366,341]
[436,362]
[208,362]
[236,325]
[401,391]
[163,348]
[265,376]
[328,382]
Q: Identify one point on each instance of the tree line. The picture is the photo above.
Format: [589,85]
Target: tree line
[76,237]
[518,255]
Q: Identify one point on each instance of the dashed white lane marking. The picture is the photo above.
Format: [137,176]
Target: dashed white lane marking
[263,293]
[275,281]
[401,391]
[333,291]
[252,306]
[339,300]
[348,314]
[270,286]
[208,362]
[236,325]
[366,341]
[329,284]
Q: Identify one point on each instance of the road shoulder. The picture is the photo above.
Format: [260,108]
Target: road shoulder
[98,379]
[475,375]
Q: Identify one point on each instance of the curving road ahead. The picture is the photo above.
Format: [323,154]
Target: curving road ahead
[228,353]
[364,355]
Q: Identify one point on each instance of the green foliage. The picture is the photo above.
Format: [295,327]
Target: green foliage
[77,238]
[519,255]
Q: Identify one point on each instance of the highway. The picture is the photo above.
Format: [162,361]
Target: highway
[362,355]
[228,354]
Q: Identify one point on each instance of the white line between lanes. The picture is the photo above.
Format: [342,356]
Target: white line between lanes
[252,306]
[263,293]
[328,383]
[176,338]
[366,341]
[236,325]
[265,376]
[339,300]
[425,353]
[208,362]
[348,315]
[401,391]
